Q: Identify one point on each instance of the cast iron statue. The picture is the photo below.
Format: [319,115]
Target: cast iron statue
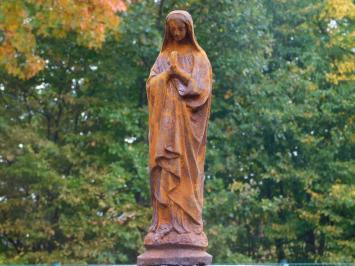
[179,98]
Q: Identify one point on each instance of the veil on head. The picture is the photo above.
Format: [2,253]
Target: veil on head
[187,19]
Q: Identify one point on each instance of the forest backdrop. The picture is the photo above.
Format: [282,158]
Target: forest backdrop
[280,165]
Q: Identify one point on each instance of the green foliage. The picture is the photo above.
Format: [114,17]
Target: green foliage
[280,165]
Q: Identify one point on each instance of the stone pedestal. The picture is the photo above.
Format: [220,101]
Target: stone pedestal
[172,248]
[171,255]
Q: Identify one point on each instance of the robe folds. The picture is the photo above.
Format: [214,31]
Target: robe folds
[178,118]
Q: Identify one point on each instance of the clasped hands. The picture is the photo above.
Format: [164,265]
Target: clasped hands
[175,71]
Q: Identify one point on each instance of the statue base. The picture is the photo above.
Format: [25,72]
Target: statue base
[172,238]
[174,256]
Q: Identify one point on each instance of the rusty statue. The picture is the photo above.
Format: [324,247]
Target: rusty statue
[179,99]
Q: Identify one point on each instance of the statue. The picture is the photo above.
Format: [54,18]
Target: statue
[179,99]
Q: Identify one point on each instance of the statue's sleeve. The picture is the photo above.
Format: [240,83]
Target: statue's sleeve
[198,90]
[156,92]
[155,70]
[157,78]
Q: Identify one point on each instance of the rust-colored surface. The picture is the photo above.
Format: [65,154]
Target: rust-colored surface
[175,256]
[179,99]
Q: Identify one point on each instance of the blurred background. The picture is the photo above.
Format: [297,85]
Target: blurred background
[280,168]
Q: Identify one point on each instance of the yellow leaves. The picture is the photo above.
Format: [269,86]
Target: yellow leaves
[336,189]
[337,13]
[116,5]
[308,114]
[15,62]
[228,94]
[308,139]
[332,230]
[236,186]
[345,39]
[214,231]
[33,65]
[15,14]
[312,87]
[90,20]
[347,66]
[309,216]
[18,42]
[283,229]
[296,70]
[352,139]
[315,195]
[339,9]
[342,191]
[344,70]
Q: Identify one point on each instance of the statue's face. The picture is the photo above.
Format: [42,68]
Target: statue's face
[177,29]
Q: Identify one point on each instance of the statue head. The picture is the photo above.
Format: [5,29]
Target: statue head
[179,28]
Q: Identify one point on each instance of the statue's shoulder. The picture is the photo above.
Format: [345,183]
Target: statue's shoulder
[163,55]
[161,59]
[202,58]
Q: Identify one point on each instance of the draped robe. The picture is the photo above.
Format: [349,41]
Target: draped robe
[178,117]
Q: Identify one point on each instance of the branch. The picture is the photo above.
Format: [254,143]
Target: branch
[160,13]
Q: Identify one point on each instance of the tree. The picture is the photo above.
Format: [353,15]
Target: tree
[279,170]
[23,23]
[340,17]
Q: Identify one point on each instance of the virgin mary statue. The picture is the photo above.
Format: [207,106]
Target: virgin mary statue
[179,100]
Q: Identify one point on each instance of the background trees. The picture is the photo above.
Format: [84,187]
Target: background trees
[73,148]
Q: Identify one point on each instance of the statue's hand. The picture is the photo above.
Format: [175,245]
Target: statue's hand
[173,62]
[175,71]
[173,58]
